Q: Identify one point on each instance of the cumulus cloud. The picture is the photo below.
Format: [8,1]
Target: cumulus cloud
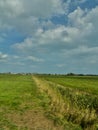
[76,41]
[80,27]
[81,50]
[42,8]
[35,59]
[3,56]
[45,41]
[23,14]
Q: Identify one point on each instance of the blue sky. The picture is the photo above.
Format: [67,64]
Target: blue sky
[49,36]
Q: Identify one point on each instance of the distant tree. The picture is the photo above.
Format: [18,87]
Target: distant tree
[70,74]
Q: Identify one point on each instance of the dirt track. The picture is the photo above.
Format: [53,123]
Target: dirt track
[44,86]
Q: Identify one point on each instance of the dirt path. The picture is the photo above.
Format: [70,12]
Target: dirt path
[49,89]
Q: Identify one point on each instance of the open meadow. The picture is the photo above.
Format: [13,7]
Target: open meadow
[21,104]
[48,102]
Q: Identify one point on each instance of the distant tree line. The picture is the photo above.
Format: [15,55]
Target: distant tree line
[47,74]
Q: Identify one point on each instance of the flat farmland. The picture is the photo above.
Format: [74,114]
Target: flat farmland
[77,98]
[21,104]
[87,84]
[48,102]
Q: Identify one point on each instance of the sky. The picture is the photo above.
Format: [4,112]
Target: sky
[49,36]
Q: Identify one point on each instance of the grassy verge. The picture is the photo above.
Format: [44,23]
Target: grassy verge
[72,104]
[56,106]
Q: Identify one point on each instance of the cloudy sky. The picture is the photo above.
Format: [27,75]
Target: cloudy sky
[49,36]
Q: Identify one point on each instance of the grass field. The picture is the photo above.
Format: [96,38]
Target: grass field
[21,104]
[48,102]
[87,84]
[78,99]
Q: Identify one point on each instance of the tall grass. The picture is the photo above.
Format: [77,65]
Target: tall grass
[73,103]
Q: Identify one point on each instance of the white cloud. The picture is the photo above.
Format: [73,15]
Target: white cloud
[81,25]
[61,65]
[37,8]
[3,57]
[79,36]
[92,17]
[86,21]
[20,59]
[78,19]
[81,50]
[26,45]
[76,39]
[23,15]
[35,59]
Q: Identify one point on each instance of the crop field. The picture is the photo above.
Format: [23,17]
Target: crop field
[48,102]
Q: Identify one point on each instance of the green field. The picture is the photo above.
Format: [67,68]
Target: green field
[88,84]
[48,102]
[78,99]
[21,104]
